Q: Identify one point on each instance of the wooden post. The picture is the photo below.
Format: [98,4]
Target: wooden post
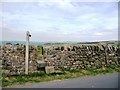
[27,52]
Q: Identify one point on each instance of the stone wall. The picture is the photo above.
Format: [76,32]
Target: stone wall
[71,57]
[82,56]
[13,59]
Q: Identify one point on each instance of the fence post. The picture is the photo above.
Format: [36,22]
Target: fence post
[27,52]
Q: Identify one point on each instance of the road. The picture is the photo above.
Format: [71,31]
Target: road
[99,81]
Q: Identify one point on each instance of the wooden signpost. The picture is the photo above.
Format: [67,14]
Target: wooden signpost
[27,52]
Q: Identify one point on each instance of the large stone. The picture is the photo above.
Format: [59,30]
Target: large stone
[49,69]
[6,71]
[0,67]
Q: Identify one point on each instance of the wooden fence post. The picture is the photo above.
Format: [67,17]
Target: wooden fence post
[27,52]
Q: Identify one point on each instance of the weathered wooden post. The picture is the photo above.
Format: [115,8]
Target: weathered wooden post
[27,52]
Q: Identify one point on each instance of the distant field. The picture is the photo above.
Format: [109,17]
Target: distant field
[87,44]
[21,42]
[114,43]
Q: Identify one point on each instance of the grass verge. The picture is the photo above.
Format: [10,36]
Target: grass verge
[65,74]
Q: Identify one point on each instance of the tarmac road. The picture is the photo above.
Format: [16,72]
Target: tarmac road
[99,81]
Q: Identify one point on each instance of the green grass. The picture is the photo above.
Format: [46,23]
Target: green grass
[40,51]
[65,74]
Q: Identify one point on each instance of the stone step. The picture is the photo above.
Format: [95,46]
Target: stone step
[41,63]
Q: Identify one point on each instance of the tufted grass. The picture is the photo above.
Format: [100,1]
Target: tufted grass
[41,76]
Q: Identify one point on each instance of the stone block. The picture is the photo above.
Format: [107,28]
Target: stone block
[0,67]
[6,71]
[65,66]
[0,62]
[49,69]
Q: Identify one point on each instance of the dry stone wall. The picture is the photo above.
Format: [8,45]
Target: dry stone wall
[13,59]
[77,57]
[72,57]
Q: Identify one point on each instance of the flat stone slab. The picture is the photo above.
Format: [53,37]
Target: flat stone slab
[41,63]
[49,69]
[6,71]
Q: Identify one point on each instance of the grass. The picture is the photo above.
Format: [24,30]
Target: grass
[40,51]
[65,74]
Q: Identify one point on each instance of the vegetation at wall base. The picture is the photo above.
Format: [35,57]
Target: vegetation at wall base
[40,51]
[41,76]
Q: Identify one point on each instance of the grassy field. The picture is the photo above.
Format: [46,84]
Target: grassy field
[65,74]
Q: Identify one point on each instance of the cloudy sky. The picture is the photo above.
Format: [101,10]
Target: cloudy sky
[59,20]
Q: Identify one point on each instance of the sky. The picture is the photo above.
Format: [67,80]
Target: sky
[59,20]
